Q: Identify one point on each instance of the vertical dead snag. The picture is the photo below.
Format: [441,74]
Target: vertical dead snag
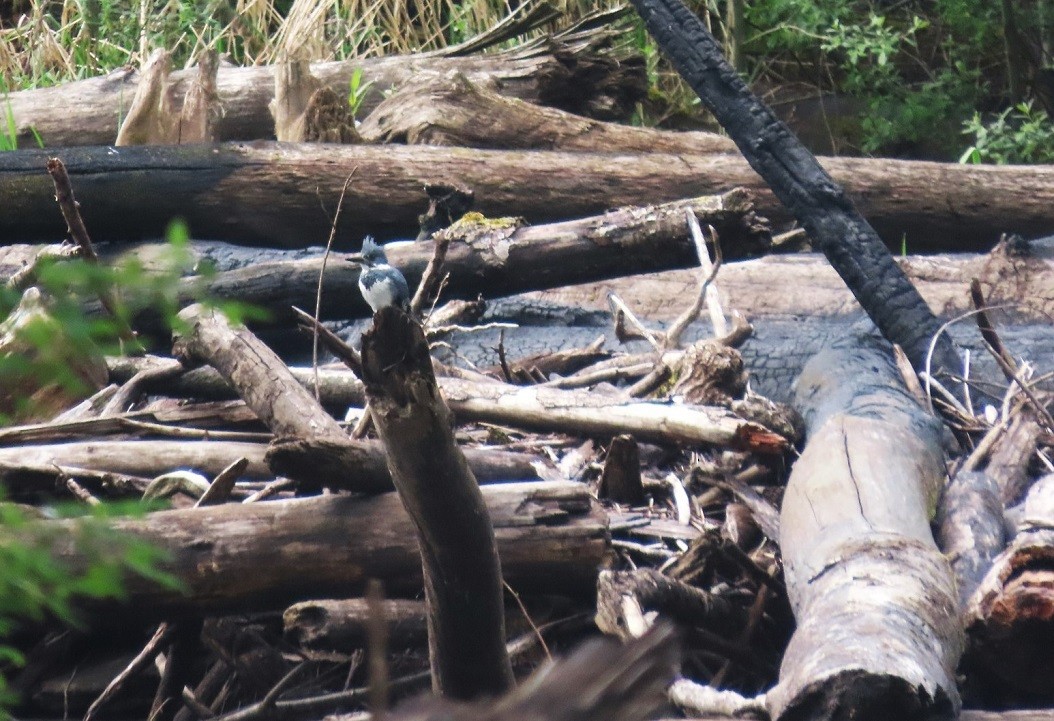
[875,601]
[462,573]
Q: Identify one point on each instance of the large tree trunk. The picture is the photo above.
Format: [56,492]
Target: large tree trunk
[551,537]
[1017,280]
[877,615]
[573,76]
[283,194]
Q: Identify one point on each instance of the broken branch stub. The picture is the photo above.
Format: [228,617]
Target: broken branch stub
[462,573]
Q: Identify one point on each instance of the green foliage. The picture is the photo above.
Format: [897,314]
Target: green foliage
[72,288]
[918,71]
[35,584]
[1021,134]
[357,92]
[9,132]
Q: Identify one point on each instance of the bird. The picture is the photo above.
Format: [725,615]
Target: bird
[381,284]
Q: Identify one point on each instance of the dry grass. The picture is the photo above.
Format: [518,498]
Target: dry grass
[45,42]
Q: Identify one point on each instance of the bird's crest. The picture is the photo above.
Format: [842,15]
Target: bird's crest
[371,251]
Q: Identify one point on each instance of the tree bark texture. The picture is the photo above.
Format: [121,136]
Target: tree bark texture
[497,258]
[822,207]
[878,626]
[1010,619]
[29,468]
[339,625]
[573,77]
[453,111]
[462,572]
[551,536]
[284,195]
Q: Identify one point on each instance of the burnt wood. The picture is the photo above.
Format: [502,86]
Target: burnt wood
[801,184]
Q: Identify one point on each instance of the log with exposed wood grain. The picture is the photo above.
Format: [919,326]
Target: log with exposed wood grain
[1017,279]
[284,194]
[874,600]
[569,74]
[551,537]
[452,110]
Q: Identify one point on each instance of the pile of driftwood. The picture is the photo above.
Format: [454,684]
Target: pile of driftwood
[642,492]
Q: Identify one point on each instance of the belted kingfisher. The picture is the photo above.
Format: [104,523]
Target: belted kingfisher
[381,284]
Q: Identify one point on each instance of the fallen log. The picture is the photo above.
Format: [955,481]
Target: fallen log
[275,194]
[877,613]
[567,411]
[574,74]
[36,467]
[489,258]
[1017,278]
[451,110]
[1010,618]
[309,446]
[551,537]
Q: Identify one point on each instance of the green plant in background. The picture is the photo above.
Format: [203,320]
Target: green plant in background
[36,585]
[357,91]
[9,133]
[1021,134]
[71,311]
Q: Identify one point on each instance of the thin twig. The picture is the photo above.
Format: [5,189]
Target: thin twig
[530,621]
[322,274]
[333,342]
[1006,362]
[502,360]
[144,658]
[619,306]
[75,223]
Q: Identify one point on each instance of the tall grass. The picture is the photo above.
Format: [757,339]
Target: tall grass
[44,42]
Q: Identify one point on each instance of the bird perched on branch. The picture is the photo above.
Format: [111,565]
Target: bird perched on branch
[381,284]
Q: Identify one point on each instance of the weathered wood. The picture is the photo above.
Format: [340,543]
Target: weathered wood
[970,529]
[452,110]
[36,467]
[574,77]
[1017,278]
[264,382]
[877,614]
[1010,619]
[341,625]
[274,194]
[310,446]
[551,537]
[495,258]
[600,681]
[462,573]
[620,480]
[540,408]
